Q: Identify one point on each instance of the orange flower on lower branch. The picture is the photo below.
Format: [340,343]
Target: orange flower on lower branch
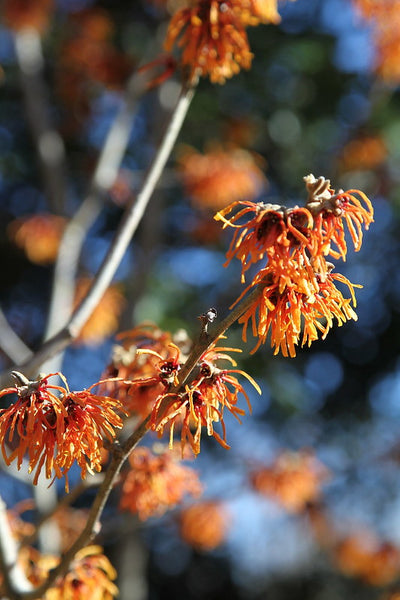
[203,402]
[156,483]
[90,576]
[56,430]
[129,364]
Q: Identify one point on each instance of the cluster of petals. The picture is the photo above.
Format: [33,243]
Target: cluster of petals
[139,367]
[90,575]
[212,35]
[202,402]
[156,483]
[54,427]
[298,297]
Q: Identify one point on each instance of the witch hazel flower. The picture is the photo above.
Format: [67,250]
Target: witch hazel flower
[201,403]
[212,35]
[53,427]
[298,299]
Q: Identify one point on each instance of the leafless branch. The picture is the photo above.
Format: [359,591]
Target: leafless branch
[129,223]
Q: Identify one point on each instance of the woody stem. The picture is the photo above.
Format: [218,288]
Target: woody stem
[121,452]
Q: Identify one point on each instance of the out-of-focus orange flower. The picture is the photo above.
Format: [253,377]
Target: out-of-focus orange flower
[366,557]
[104,319]
[56,430]
[90,575]
[253,12]
[27,14]
[156,483]
[205,525]
[384,18]
[213,38]
[293,480]
[220,176]
[203,402]
[363,153]
[140,367]
[38,236]
[297,293]
[90,53]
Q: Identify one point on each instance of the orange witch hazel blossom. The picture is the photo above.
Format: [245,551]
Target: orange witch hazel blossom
[212,35]
[202,403]
[54,427]
[156,483]
[298,297]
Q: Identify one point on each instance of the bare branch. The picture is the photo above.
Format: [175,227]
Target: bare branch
[104,177]
[11,343]
[127,228]
[49,144]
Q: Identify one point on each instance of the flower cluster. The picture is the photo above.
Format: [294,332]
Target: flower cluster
[55,427]
[213,35]
[297,295]
[156,482]
[139,367]
[90,575]
[202,401]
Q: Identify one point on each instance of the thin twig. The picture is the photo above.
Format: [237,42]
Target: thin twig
[49,144]
[105,174]
[64,502]
[127,228]
[206,339]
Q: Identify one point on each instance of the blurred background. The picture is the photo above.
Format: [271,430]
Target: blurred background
[306,504]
